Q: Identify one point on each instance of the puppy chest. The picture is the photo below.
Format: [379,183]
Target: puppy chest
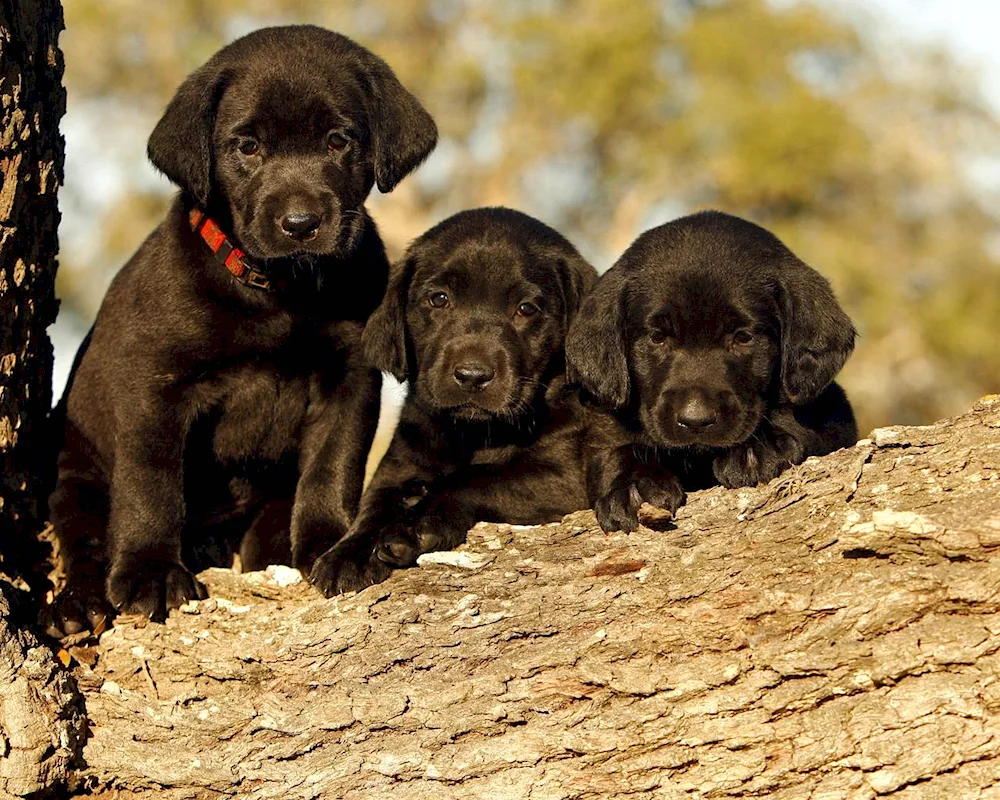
[257,415]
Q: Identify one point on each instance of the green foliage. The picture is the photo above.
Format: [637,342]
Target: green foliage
[784,114]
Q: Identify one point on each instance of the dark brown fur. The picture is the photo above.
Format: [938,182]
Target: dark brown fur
[475,318]
[713,350]
[200,408]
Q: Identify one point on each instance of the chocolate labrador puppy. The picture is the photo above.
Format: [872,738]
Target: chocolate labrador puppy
[714,350]
[222,386]
[475,318]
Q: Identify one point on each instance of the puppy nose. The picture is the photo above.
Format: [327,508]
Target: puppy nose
[301,225]
[473,376]
[696,414]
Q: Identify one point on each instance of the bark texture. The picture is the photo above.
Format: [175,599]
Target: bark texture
[833,634]
[40,711]
[31,163]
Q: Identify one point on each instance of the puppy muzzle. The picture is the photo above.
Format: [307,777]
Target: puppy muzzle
[474,380]
[713,418]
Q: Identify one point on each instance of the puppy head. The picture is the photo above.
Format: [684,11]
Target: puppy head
[282,135]
[477,311]
[702,325]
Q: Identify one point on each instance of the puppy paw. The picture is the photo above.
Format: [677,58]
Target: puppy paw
[348,566]
[75,609]
[757,461]
[402,547]
[151,588]
[619,509]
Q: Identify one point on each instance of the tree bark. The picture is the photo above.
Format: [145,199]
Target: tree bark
[31,162]
[40,712]
[833,634]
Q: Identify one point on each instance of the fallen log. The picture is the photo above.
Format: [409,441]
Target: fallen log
[833,634]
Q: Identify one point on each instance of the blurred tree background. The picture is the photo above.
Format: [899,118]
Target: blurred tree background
[604,118]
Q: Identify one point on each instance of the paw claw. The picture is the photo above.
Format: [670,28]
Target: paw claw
[152,588]
[346,567]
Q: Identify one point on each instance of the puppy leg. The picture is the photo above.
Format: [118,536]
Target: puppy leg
[147,515]
[335,444]
[440,523]
[770,450]
[79,514]
[381,538]
[789,436]
[268,540]
[527,490]
[619,482]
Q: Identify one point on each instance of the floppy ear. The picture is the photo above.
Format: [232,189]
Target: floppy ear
[385,338]
[403,133]
[577,278]
[595,346]
[181,143]
[816,335]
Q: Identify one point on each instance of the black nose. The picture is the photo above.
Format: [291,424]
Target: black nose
[696,414]
[473,376]
[301,225]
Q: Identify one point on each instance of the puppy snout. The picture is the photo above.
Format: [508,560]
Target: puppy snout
[301,225]
[697,414]
[474,376]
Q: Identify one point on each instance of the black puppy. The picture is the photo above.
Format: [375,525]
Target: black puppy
[715,349]
[223,386]
[475,317]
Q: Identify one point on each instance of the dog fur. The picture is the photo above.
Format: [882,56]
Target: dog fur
[200,408]
[475,318]
[713,350]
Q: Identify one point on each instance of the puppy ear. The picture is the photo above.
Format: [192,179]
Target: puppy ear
[385,338]
[180,145]
[403,133]
[595,346]
[816,335]
[577,278]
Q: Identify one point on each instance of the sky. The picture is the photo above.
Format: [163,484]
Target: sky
[968,28]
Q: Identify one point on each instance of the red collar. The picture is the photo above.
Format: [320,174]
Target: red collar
[231,257]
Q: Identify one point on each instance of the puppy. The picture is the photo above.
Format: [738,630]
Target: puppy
[475,318]
[222,386]
[714,348]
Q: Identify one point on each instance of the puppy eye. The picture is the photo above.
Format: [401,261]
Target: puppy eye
[438,300]
[742,337]
[336,141]
[657,337]
[249,147]
[527,310]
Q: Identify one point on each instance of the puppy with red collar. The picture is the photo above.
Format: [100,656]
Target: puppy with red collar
[222,386]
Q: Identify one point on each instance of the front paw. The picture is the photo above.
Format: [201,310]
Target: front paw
[350,565]
[78,607]
[618,510]
[152,587]
[757,461]
[401,547]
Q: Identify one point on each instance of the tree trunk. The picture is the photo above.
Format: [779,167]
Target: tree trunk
[833,634]
[31,162]
[41,712]
[40,717]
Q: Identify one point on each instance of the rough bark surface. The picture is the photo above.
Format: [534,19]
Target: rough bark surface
[40,711]
[833,634]
[31,163]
